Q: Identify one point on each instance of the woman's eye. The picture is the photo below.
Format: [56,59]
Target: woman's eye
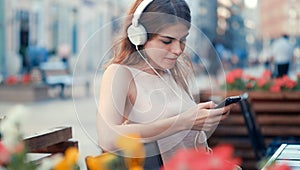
[167,41]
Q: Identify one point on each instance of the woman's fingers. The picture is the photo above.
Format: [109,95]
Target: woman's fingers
[208,119]
[213,112]
[206,126]
[207,105]
[212,120]
[211,107]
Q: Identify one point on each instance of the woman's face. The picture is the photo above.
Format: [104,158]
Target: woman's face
[164,49]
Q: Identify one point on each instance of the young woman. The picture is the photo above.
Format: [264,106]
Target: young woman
[145,88]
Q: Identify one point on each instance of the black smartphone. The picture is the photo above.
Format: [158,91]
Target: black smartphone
[229,100]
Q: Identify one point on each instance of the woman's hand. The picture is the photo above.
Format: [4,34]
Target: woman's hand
[204,117]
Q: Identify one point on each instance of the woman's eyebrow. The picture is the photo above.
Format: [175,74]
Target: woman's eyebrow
[172,38]
[165,36]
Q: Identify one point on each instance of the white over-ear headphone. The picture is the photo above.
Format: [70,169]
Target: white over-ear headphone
[136,32]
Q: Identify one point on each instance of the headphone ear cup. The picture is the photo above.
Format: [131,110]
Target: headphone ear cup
[137,34]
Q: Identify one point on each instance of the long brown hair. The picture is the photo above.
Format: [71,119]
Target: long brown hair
[173,11]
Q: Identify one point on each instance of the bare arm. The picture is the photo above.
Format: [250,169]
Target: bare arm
[113,95]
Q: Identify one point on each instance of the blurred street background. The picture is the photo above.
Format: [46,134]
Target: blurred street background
[79,34]
[79,113]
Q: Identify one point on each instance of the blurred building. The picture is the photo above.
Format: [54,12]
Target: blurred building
[203,32]
[251,23]
[84,25]
[204,16]
[223,22]
[89,26]
[278,17]
[231,27]
[2,37]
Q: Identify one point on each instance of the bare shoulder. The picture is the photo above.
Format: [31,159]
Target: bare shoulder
[117,72]
[117,82]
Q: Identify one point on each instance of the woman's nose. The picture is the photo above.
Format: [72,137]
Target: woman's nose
[176,48]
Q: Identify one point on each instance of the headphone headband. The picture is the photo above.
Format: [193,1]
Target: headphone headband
[139,10]
[137,34]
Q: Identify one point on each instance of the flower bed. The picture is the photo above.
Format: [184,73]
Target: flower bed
[23,88]
[24,93]
[237,80]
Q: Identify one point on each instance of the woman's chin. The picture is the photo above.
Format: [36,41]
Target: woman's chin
[169,64]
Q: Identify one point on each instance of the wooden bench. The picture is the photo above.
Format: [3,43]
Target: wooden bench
[277,114]
[56,74]
[52,141]
[49,142]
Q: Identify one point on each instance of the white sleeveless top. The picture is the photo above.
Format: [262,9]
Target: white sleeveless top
[159,99]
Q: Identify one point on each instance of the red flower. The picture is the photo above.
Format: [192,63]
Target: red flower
[193,160]
[267,74]
[238,73]
[288,83]
[4,155]
[19,147]
[279,82]
[11,80]
[26,78]
[275,88]
[261,82]
[233,75]
[230,79]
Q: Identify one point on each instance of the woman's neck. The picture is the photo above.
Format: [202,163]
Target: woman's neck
[148,69]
